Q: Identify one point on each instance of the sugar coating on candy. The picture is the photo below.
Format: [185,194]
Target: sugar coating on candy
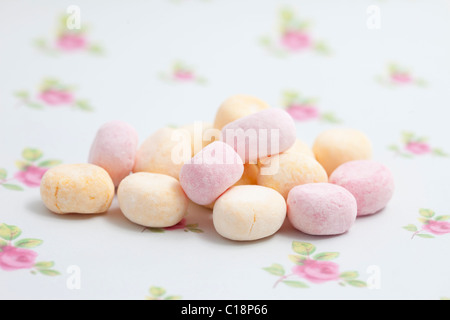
[237,106]
[249,177]
[155,154]
[77,188]
[334,147]
[249,212]
[260,134]
[199,135]
[290,169]
[370,182]
[321,209]
[152,199]
[114,149]
[211,172]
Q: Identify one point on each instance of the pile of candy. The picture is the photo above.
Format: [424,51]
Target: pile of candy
[248,167]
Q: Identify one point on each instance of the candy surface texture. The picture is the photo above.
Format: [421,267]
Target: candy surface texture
[370,182]
[334,147]
[236,107]
[211,172]
[114,149]
[249,212]
[321,209]
[152,199]
[260,134]
[77,188]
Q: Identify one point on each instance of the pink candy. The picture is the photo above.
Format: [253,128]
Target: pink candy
[211,172]
[260,134]
[370,182]
[114,149]
[321,208]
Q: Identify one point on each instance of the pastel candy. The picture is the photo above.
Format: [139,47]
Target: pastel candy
[211,172]
[321,209]
[249,212]
[152,199]
[260,134]
[286,170]
[114,149]
[236,107]
[370,182]
[77,188]
[155,154]
[334,147]
[200,137]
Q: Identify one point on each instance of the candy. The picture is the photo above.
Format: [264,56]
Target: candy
[321,209]
[211,172]
[249,213]
[286,170]
[334,147]
[114,149]
[201,134]
[370,182]
[236,107]
[260,134]
[152,199]
[77,188]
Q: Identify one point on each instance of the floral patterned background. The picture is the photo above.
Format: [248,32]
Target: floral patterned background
[154,63]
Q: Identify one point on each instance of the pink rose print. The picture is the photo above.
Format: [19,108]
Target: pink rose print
[316,269]
[31,170]
[180,225]
[52,93]
[12,258]
[436,225]
[31,176]
[18,255]
[71,42]
[68,40]
[396,75]
[56,97]
[294,36]
[181,73]
[413,145]
[296,40]
[305,109]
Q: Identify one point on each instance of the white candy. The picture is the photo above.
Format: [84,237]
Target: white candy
[249,212]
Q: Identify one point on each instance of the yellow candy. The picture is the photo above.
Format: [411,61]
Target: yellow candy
[236,107]
[152,199]
[77,188]
[290,169]
[334,147]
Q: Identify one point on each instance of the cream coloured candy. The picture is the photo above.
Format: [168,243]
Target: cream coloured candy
[77,188]
[286,170]
[201,134]
[114,149]
[370,182]
[236,107]
[211,172]
[334,147]
[249,212]
[321,209]
[152,199]
[261,134]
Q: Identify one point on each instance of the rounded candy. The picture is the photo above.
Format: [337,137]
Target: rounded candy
[236,107]
[77,188]
[286,170]
[334,147]
[249,213]
[261,134]
[370,182]
[114,149]
[211,172]
[152,199]
[201,134]
[321,209]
